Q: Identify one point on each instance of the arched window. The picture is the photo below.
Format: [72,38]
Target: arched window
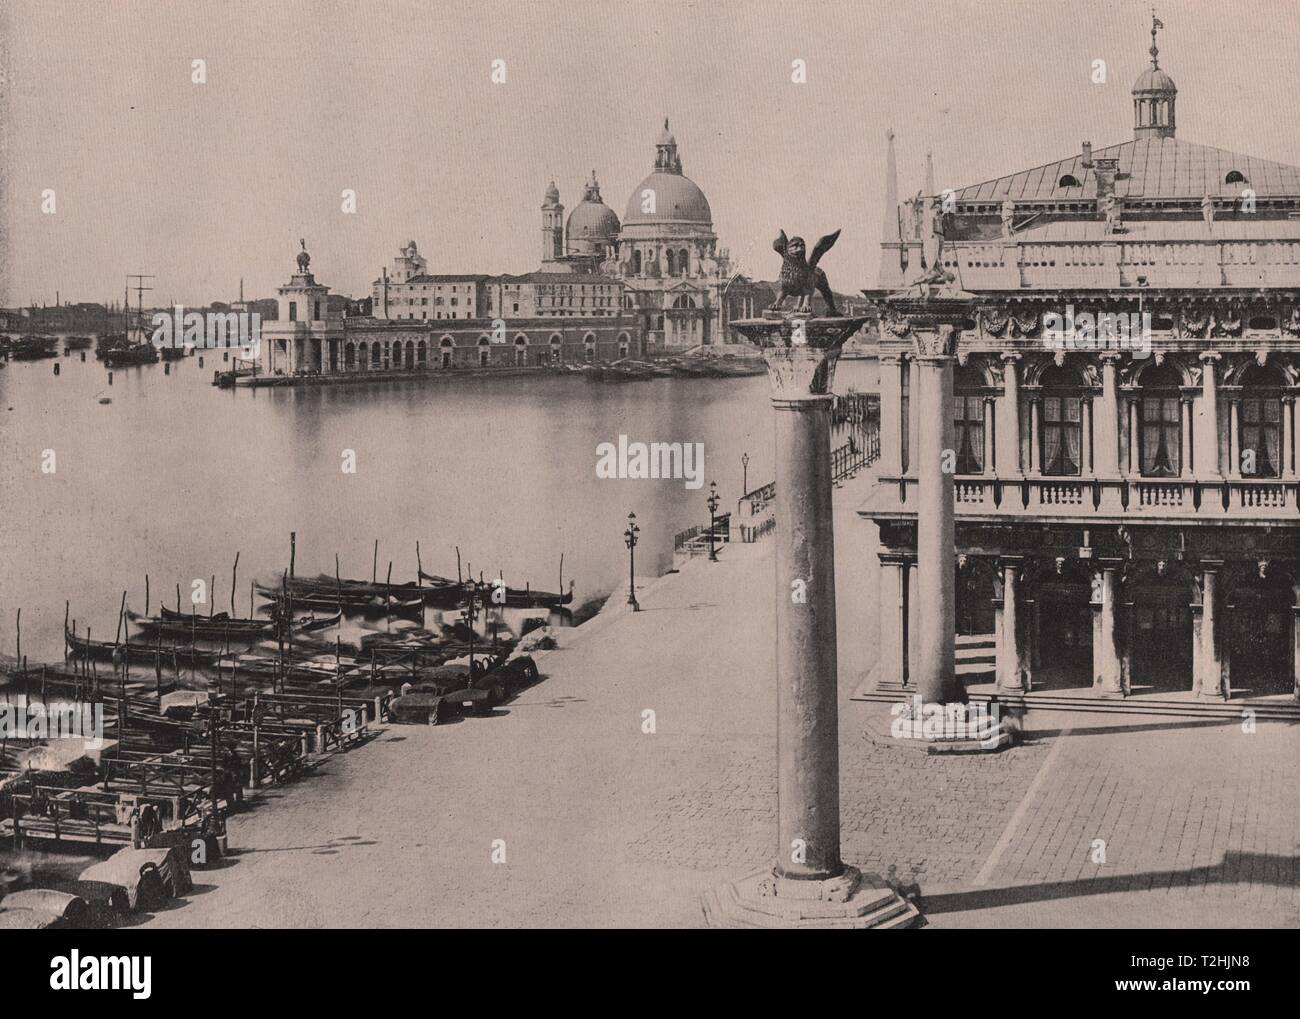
[349,355]
[968,403]
[683,301]
[636,263]
[521,350]
[410,354]
[1069,180]
[363,355]
[684,262]
[446,347]
[589,347]
[421,354]
[483,351]
[376,355]
[1261,422]
[1160,419]
[397,354]
[672,262]
[1061,424]
[1235,177]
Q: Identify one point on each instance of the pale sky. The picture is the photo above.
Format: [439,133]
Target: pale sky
[203,184]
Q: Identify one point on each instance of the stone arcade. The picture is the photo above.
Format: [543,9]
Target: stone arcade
[1124,524]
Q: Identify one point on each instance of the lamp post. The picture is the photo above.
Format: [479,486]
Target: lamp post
[467,615]
[713,509]
[629,539]
[744,466]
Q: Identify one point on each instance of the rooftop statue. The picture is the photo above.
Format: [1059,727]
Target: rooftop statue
[304,259]
[800,275]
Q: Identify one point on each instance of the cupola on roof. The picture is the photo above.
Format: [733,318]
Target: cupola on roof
[1154,94]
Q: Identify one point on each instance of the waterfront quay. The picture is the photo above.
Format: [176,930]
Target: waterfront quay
[604,823]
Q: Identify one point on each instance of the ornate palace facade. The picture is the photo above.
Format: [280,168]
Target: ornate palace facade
[1126,519]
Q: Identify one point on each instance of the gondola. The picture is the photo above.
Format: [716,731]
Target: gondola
[350,602]
[441,589]
[216,627]
[136,654]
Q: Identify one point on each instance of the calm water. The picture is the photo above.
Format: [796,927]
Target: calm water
[174,476]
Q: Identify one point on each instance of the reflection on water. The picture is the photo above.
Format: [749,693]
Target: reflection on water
[174,476]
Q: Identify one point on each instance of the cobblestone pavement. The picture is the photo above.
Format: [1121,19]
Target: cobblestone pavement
[603,824]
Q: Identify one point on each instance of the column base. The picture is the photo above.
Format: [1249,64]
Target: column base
[853,900]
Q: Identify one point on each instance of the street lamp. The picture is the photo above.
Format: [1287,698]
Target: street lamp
[744,484]
[467,615]
[629,539]
[713,509]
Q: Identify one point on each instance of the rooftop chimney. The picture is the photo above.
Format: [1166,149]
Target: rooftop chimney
[1087,155]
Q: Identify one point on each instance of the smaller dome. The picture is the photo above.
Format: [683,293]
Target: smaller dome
[1154,79]
[591,227]
[666,136]
[552,194]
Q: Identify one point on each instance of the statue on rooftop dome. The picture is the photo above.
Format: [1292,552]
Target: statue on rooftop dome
[304,259]
[800,275]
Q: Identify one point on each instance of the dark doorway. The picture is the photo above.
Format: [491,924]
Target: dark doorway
[1260,629]
[1161,640]
[1064,651]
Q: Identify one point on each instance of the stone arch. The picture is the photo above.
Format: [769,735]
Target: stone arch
[349,355]
[521,350]
[484,351]
[446,350]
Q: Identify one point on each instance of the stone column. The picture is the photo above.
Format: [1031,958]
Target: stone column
[988,460]
[1085,437]
[1234,439]
[1134,440]
[1009,672]
[1295,640]
[1035,465]
[809,885]
[1207,430]
[912,616]
[891,422]
[1008,419]
[935,523]
[1209,674]
[1185,419]
[1105,424]
[1288,437]
[913,414]
[1108,670]
[893,604]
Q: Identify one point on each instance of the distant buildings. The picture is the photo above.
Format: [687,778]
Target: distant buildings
[419,321]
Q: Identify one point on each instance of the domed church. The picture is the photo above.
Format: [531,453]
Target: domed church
[665,251]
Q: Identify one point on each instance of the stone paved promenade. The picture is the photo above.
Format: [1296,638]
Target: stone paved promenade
[604,825]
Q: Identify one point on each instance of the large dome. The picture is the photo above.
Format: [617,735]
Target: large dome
[677,199]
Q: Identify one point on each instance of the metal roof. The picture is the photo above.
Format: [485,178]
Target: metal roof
[1148,168]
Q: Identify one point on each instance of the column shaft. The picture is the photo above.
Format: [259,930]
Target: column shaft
[1010,675]
[1008,418]
[1207,425]
[1105,422]
[1108,669]
[808,788]
[893,604]
[936,534]
[891,422]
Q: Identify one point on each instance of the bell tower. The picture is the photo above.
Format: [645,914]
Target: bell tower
[552,225]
